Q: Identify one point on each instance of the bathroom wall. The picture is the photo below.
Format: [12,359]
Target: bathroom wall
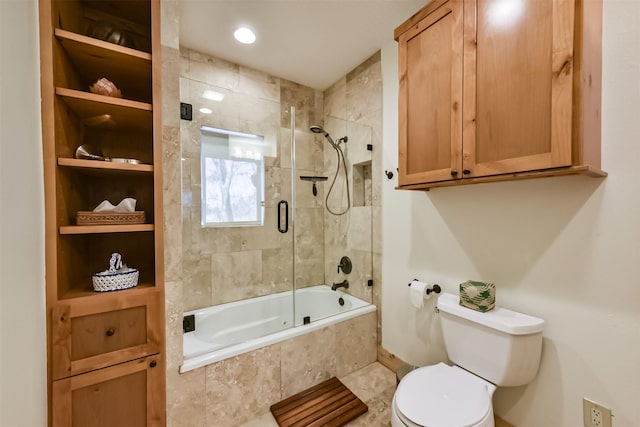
[353,108]
[229,264]
[564,249]
[23,365]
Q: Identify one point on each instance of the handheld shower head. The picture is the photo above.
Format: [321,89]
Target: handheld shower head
[319,129]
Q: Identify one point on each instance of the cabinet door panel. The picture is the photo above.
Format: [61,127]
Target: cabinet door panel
[121,395]
[430,64]
[520,118]
[96,334]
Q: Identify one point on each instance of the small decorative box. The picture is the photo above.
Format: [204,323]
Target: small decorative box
[479,296]
[117,277]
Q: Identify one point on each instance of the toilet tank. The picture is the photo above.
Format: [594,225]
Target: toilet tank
[501,346]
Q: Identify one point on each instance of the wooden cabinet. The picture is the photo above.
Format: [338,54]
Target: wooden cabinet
[101,345]
[493,90]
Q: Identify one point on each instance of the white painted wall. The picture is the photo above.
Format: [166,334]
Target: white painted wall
[23,373]
[564,249]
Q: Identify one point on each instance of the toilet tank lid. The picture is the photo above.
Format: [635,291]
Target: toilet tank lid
[501,319]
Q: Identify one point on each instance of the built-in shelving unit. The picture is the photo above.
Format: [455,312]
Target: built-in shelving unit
[102,345]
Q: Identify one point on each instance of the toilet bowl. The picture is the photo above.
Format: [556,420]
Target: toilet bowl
[442,395]
[497,348]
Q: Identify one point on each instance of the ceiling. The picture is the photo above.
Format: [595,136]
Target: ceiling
[311,42]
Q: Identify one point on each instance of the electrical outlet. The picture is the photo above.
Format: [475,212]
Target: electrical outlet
[595,415]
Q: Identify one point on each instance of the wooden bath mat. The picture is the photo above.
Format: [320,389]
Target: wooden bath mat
[329,403]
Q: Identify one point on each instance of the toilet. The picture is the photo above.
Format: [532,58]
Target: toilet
[499,348]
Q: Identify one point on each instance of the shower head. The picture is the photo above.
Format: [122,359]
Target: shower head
[319,129]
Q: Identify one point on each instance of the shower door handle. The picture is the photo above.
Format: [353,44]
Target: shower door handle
[285,228]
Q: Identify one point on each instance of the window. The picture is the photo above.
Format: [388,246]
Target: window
[232,177]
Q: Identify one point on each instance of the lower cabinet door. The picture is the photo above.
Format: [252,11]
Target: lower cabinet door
[126,395]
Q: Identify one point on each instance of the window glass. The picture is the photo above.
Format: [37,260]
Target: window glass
[232,178]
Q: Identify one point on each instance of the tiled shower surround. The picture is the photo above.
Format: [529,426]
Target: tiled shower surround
[211,266]
[229,264]
[234,263]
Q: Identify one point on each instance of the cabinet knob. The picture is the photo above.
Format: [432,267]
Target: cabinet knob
[110,332]
[466,171]
[454,172]
[153,364]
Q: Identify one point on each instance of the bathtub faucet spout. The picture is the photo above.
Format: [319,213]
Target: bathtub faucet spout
[343,284]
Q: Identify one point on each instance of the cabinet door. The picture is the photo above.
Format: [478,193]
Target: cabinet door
[517,85]
[104,330]
[430,99]
[130,394]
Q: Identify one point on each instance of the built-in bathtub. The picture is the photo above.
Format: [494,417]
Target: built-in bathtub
[227,330]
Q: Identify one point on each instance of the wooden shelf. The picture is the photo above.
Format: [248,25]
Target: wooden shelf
[128,69]
[81,295]
[573,170]
[106,112]
[98,166]
[94,229]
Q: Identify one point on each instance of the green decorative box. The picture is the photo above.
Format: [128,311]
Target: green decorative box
[479,296]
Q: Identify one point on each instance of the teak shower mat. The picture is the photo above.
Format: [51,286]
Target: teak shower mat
[329,403]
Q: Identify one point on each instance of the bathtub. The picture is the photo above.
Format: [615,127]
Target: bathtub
[234,328]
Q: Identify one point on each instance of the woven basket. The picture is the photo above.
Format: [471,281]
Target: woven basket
[116,281]
[117,277]
[109,218]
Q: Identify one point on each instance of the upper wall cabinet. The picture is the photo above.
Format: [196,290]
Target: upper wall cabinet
[494,90]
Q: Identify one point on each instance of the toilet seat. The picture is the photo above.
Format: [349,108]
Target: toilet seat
[441,395]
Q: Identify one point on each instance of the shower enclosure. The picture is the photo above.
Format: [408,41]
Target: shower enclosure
[254,183]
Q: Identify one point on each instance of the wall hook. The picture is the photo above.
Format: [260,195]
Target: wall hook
[389,174]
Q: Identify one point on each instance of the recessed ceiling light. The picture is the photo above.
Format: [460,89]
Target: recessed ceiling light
[244,35]
[205,110]
[213,95]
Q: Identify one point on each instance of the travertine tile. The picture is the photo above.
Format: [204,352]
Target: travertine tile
[360,229]
[186,398]
[170,24]
[370,381]
[356,343]
[212,70]
[379,413]
[170,86]
[173,324]
[197,283]
[364,94]
[335,100]
[264,420]
[303,99]
[309,234]
[308,360]
[235,275]
[309,272]
[259,84]
[243,387]
[277,269]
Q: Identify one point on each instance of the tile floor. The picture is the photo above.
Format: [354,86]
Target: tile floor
[373,384]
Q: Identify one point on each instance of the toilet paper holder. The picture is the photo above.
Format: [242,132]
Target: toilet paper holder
[435,288]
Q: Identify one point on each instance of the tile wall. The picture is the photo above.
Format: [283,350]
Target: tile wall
[229,264]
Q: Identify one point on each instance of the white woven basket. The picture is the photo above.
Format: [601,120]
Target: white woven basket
[113,282]
[117,277]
